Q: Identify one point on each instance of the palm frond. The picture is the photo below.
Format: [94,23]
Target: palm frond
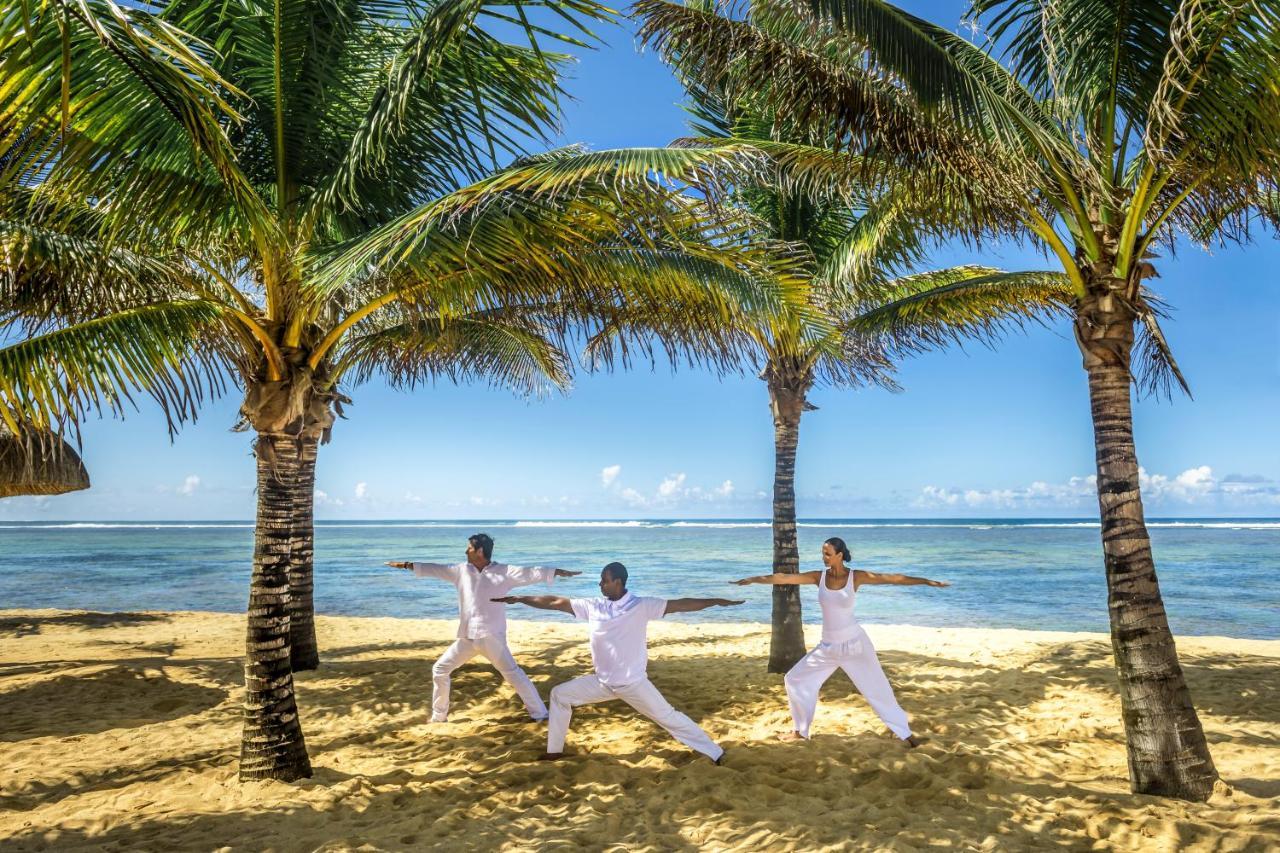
[539,222]
[504,348]
[1156,368]
[107,100]
[1216,99]
[933,309]
[167,351]
[809,84]
[453,96]
[56,267]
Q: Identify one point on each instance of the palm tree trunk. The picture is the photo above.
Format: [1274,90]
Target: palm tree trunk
[1168,754]
[272,746]
[786,644]
[305,654]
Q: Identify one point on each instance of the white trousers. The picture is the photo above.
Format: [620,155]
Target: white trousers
[493,649]
[641,695]
[857,657]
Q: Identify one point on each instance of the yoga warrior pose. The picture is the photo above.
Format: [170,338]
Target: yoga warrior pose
[619,652]
[844,643]
[482,625]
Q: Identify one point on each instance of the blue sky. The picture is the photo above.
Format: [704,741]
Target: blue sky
[976,433]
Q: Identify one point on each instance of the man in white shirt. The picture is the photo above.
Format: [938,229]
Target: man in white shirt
[619,652]
[482,624]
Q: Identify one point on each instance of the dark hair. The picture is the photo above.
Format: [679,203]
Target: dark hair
[484,542]
[840,548]
[618,572]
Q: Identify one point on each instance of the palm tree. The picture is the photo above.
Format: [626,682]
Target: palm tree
[301,188]
[1099,131]
[851,249]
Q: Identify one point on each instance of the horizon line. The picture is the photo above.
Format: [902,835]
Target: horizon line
[638,518]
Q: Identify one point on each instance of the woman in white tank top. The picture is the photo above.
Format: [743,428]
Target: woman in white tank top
[844,645]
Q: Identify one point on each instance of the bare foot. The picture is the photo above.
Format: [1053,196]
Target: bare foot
[911,741]
[719,761]
[551,756]
[788,737]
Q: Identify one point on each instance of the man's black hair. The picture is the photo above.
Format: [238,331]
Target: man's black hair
[618,572]
[484,542]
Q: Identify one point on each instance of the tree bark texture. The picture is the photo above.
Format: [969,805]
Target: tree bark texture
[272,746]
[305,653]
[1167,751]
[787,400]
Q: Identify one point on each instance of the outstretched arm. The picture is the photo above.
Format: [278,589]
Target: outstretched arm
[425,570]
[689,605]
[542,602]
[861,577]
[781,579]
[525,575]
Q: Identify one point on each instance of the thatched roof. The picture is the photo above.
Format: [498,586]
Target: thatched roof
[38,462]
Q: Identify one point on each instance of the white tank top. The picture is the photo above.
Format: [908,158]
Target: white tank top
[838,622]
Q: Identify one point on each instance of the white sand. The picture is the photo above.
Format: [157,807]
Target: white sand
[121,731]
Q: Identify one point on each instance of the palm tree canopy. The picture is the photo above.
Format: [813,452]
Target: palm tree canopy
[853,243]
[340,209]
[1163,108]
[1099,130]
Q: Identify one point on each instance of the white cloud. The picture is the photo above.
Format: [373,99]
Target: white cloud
[673,491]
[933,496]
[1075,492]
[671,486]
[632,497]
[189,485]
[1188,486]
[1196,485]
[362,489]
[323,498]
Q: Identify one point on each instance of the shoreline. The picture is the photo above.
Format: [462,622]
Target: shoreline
[122,731]
[1265,645]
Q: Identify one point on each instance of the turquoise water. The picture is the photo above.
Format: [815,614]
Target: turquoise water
[1218,576]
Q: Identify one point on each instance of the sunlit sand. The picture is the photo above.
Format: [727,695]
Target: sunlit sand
[121,731]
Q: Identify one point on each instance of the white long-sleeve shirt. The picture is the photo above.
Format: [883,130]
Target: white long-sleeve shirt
[619,635]
[477,615]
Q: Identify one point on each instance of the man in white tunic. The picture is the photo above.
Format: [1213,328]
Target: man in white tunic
[482,624]
[619,652]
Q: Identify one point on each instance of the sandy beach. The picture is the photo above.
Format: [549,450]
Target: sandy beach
[120,732]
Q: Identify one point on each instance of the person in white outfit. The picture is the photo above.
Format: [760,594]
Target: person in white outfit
[844,645]
[619,652]
[482,625]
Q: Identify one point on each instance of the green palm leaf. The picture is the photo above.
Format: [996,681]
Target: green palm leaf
[970,302]
[167,351]
[107,101]
[55,267]
[511,349]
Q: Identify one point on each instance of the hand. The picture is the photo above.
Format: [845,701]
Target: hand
[507,599]
[726,602]
[742,582]
[400,564]
[565,573]
[937,583]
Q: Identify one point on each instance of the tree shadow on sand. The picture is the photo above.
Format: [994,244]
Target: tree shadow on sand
[118,697]
[28,624]
[387,780]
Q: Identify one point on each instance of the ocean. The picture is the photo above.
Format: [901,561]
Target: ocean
[1218,576]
